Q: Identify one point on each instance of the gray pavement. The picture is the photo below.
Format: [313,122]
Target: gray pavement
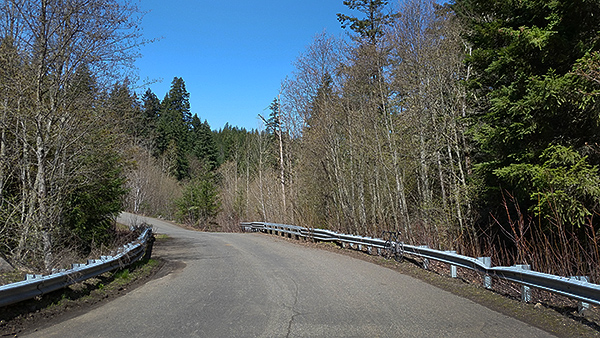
[252,285]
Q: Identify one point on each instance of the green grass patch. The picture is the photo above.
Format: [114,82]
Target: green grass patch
[122,276]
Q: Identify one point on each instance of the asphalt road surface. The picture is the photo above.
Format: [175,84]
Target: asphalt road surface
[252,285]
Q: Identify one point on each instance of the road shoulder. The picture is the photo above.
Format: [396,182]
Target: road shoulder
[560,319]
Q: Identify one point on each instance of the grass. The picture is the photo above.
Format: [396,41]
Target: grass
[122,277]
[125,276]
[161,236]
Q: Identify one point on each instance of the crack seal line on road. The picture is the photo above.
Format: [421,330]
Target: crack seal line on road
[293,309]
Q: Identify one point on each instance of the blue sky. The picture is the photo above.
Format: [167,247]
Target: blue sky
[232,54]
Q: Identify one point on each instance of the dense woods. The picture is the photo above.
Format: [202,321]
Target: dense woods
[471,126]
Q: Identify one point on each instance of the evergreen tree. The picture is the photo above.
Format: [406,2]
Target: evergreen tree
[203,143]
[124,102]
[273,123]
[230,143]
[324,95]
[150,114]
[200,201]
[174,125]
[224,142]
[530,110]
[370,27]
[93,205]
[367,86]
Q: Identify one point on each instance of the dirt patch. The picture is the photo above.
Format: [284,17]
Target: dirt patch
[61,305]
[552,313]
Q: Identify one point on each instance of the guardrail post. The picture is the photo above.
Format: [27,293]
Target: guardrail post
[453,270]
[487,279]
[370,250]
[582,306]
[425,263]
[149,245]
[425,260]
[525,290]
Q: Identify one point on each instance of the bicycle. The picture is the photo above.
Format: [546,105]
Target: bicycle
[393,248]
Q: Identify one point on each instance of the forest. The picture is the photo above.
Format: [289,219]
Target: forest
[470,126]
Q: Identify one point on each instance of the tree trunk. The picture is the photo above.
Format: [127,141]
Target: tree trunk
[3,160]
[282,171]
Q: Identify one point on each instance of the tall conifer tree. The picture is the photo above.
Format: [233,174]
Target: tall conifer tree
[532,121]
[203,143]
[174,126]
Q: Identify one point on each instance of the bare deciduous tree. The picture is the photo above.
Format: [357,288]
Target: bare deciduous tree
[62,54]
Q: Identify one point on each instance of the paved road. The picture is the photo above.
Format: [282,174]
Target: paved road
[252,285]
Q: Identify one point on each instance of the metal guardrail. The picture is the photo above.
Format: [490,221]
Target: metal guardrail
[36,285]
[573,287]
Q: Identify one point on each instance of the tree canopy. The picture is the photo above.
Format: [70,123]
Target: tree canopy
[530,104]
